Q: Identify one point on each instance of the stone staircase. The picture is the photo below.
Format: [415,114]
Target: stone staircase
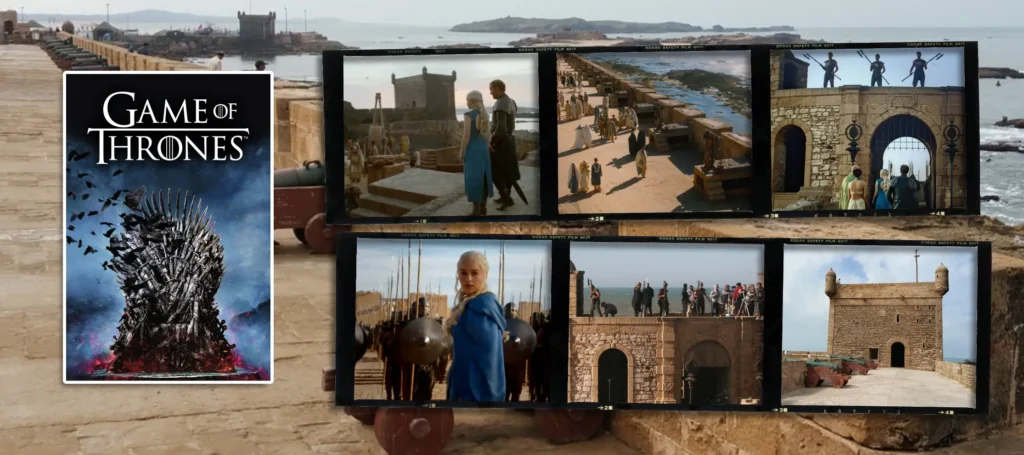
[369,376]
[399,194]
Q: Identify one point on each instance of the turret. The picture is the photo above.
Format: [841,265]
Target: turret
[424,70]
[942,279]
[830,283]
[453,75]
[392,78]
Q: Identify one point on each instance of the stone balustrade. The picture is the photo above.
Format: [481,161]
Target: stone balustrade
[963,373]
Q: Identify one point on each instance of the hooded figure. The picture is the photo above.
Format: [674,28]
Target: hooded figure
[632,145]
[574,179]
[641,163]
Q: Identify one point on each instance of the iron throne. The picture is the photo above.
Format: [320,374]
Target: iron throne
[169,263]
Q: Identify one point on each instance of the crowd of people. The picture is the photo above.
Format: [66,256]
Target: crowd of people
[728,300]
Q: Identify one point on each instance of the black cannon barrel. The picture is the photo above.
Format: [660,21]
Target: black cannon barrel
[422,341]
[310,174]
[89,62]
[91,68]
[522,340]
[79,56]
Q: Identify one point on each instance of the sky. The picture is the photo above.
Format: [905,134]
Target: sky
[805,13]
[805,305]
[366,76]
[377,258]
[946,71]
[606,262]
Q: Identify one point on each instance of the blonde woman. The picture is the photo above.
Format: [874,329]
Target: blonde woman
[476,158]
[478,332]
[882,191]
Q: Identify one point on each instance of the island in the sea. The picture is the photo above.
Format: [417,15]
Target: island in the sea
[540,25]
[731,90]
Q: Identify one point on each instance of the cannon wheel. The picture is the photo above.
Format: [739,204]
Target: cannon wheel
[838,381]
[812,379]
[564,426]
[300,233]
[413,431]
[318,237]
[365,416]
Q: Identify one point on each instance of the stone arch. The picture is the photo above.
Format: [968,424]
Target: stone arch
[779,157]
[8,27]
[630,369]
[714,363]
[870,158]
[885,359]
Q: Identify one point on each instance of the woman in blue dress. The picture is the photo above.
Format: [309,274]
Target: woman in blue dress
[882,191]
[478,331]
[476,158]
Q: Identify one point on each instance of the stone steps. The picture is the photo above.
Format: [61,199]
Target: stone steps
[399,193]
[387,205]
[365,213]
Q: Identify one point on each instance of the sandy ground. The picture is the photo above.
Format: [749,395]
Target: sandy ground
[40,415]
[668,186]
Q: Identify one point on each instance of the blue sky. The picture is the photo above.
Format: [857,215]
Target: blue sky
[376,258]
[947,71]
[805,305]
[611,264]
[366,76]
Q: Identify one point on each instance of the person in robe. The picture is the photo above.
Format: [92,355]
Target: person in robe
[751,300]
[613,128]
[595,175]
[515,372]
[858,192]
[638,300]
[539,363]
[597,115]
[632,144]
[903,191]
[686,301]
[574,179]
[586,99]
[573,97]
[478,331]
[356,166]
[578,109]
[584,177]
[477,170]
[648,299]
[641,163]
[882,191]
[844,189]
[405,144]
[716,295]
[216,62]
[504,155]
[760,301]
[641,141]
[663,299]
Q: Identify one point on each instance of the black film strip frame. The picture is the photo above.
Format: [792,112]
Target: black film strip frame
[984,314]
[761,194]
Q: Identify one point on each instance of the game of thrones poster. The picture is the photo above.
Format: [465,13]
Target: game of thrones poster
[168,264]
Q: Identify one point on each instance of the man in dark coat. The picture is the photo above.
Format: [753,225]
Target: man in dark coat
[504,156]
[903,191]
[539,364]
[648,300]
[638,300]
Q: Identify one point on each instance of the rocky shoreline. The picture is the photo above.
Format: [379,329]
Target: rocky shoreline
[538,25]
[999,73]
[580,39]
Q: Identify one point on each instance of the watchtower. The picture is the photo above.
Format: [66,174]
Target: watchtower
[256,26]
[897,324]
[433,92]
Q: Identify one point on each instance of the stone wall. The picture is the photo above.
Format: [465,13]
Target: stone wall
[641,339]
[793,372]
[966,375]
[824,114]
[877,316]
[128,61]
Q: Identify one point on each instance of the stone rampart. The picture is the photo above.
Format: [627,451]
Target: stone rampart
[129,61]
[793,372]
[733,145]
[965,374]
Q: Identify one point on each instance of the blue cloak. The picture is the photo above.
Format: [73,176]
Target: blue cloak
[477,371]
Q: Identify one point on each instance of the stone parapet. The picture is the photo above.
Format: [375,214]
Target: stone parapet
[793,372]
[965,374]
[129,61]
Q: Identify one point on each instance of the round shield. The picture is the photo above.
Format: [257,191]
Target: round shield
[522,340]
[422,341]
[361,342]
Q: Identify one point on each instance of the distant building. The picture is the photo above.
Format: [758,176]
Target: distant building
[9,20]
[434,93]
[106,32]
[256,26]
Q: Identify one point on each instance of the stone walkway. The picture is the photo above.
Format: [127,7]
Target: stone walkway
[40,415]
[888,387]
[668,186]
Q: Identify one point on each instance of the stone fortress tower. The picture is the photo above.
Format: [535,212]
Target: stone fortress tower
[256,27]
[434,93]
[897,324]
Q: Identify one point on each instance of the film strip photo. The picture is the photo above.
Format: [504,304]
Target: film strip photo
[604,133]
[894,327]
[448,322]
[869,130]
[684,329]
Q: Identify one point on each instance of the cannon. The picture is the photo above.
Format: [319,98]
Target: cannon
[300,204]
[522,340]
[423,341]
[852,365]
[818,372]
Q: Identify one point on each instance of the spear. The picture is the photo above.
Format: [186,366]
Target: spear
[407,390]
[810,57]
[936,57]
[419,270]
[541,292]
[862,54]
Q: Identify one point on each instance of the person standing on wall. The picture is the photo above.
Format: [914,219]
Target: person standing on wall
[831,67]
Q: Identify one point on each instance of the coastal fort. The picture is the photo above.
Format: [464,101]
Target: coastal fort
[294,417]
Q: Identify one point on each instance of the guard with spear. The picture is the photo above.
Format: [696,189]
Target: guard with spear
[918,67]
[877,69]
[831,67]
